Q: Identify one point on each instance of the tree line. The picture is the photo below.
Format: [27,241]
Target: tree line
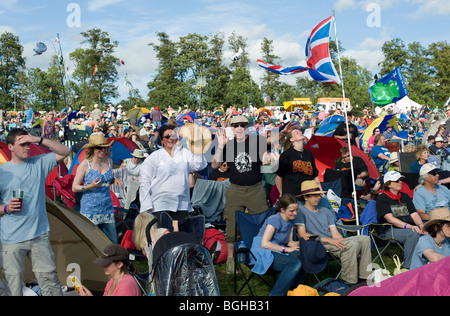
[182,62]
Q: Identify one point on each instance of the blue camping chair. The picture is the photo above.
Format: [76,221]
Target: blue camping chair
[249,226]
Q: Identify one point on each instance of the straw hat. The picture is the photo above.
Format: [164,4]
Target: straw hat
[310,187]
[441,214]
[198,137]
[97,140]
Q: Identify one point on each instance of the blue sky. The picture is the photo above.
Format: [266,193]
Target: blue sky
[363,27]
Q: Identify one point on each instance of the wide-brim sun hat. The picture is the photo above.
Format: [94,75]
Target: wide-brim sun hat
[310,187]
[441,214]
[97,140]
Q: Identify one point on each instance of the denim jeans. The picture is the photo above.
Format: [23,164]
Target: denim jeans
[290,275]
[110,231]
[408,238]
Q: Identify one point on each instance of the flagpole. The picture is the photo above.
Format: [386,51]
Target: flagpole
[63,72]
[346,122]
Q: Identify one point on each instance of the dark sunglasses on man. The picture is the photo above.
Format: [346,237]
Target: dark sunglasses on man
[243,125]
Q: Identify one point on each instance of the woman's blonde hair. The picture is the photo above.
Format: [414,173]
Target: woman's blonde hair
[420,149]
[140,225]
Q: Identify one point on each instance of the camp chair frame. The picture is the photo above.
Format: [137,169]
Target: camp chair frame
[239,215]
[374,237]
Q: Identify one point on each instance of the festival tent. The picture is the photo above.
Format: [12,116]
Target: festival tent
[432,279]
[121,149]
[326,152]
[268,112]
[136,113]
[404,105]
[35,150]
[190,116]
[381,123]
[434,128]
[76,242]
[329,125]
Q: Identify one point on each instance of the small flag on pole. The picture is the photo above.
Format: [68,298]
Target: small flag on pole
[95,71]
[389,89]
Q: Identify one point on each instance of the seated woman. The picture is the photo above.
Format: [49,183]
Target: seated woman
[436,245]
[116,264]
[422,155]
[274,247]
[396,208]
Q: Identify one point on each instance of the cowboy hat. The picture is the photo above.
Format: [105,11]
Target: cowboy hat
[310,187]
[97,140]
[313,255]
[441,214]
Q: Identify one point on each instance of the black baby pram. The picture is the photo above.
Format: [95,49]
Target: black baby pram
[180,266]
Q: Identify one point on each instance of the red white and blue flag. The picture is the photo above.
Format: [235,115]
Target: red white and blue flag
[280,70]
[318,57]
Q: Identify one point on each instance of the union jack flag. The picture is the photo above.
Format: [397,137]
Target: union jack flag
[318,58]
[281,70]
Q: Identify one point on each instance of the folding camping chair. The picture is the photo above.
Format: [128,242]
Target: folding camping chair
[370,222]
[248,226]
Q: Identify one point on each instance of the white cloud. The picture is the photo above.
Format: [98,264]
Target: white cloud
[433,7]
[96,5]
[342,5]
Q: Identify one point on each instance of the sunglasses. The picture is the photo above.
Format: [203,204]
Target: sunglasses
[398,181]
[168,136]
[101,148]
[345,156]
[239,125]
[434,172]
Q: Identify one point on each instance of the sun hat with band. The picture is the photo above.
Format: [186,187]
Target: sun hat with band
[97,140]
[310,187]
[437,215]
[112,253]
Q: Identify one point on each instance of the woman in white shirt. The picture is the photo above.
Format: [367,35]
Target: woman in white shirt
[164,177]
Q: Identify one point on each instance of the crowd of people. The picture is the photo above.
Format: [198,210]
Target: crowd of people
[162,174]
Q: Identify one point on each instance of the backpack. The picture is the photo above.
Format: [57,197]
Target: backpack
[214,241]
[338,286]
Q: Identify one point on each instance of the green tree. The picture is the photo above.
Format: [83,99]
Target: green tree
[440,56]
[241,89]
[167,87]
[217,74]
[100,88]
[270,85]
[13,63]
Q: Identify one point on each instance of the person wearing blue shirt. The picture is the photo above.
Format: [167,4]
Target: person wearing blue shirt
[29,116]
[380,154]
[274,247]
[24,224]
[436,245]
[432,194]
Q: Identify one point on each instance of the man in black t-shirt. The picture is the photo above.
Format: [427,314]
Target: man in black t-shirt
[244,156]
[341,132]
[360,170]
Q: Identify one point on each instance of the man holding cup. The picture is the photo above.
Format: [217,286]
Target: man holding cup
[24,227]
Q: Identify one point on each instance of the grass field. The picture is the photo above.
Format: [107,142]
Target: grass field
[259,288]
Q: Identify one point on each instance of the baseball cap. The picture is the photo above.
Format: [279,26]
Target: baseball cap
[427,168]
[392,176]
